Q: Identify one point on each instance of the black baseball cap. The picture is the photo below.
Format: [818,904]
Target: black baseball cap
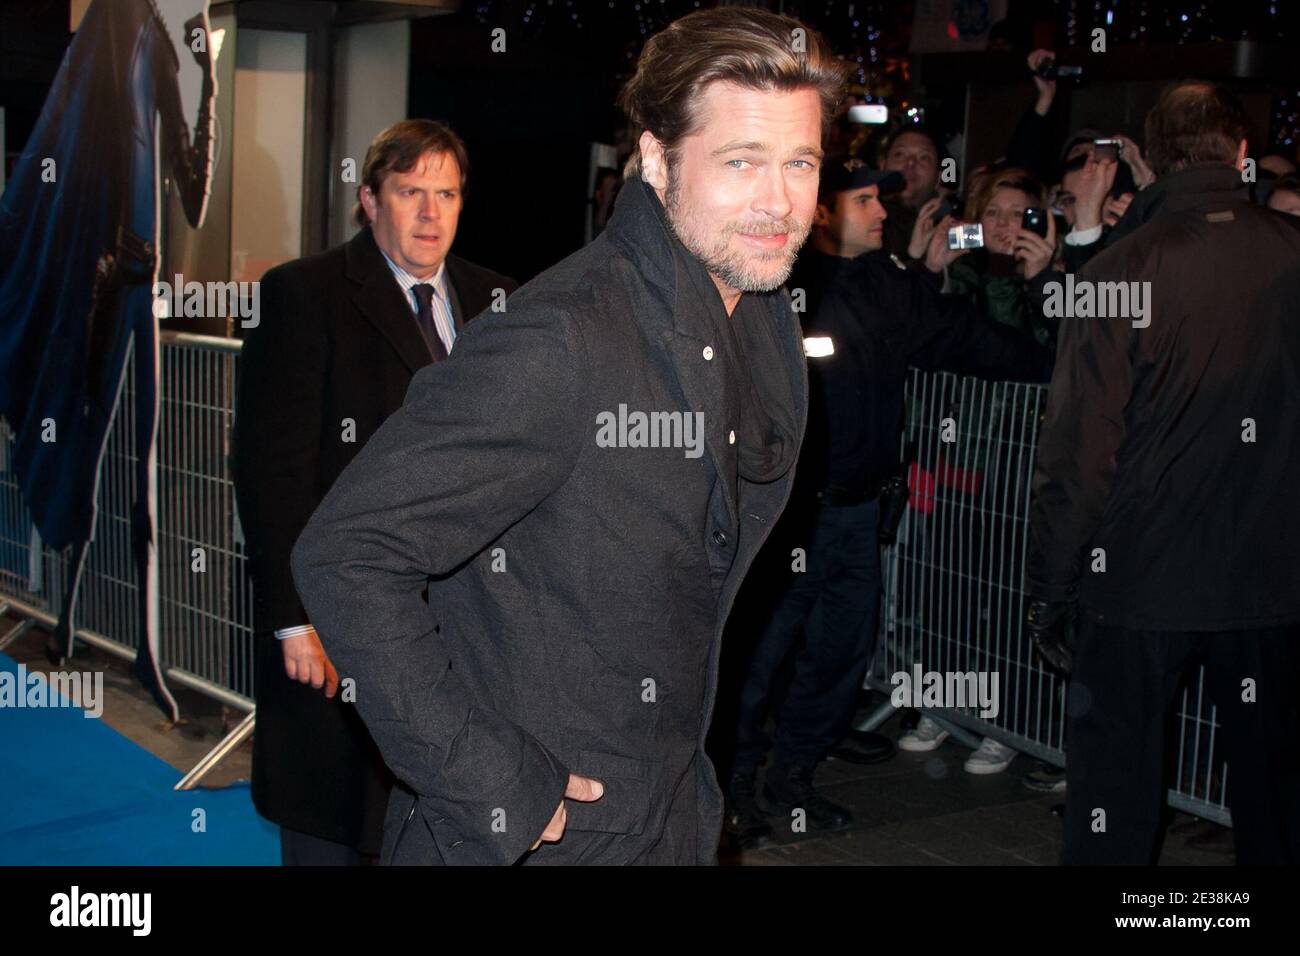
[842,173]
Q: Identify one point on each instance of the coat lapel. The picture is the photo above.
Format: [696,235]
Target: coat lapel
[379,298]
[454,281]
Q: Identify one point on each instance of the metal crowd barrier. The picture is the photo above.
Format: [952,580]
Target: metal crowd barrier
[952,584]
[205,600]
[953,599]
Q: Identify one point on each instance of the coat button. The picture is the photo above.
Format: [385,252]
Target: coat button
[720,538]
[708,353]
[731,437]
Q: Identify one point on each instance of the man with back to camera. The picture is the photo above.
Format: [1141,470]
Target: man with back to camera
[343,333]
[867,320]
[550,702]
[1164,499]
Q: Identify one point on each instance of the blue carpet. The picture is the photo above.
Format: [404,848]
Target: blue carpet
[75,792]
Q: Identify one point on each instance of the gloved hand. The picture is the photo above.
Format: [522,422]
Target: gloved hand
[1051,628]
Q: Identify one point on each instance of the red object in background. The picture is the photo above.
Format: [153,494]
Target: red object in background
[922,483]
[968,481]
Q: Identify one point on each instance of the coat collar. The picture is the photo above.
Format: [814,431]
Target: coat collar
[694,319]
[1200,184]
[379,298]
[1204,183]
[640,227]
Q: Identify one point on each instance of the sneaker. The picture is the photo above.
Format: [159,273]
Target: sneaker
[992,757]
[794,789]
[927,736]
[1046,779]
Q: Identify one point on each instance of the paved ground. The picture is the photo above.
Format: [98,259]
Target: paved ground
[916,809]
[923,809]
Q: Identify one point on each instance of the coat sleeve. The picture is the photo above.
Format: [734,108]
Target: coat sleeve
[1082,430]
[276,440]
[947,332]
[480,440]
[1031,145]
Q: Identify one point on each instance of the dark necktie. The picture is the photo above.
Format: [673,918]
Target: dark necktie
[424,296]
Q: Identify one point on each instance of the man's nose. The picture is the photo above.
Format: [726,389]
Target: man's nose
[429,208]
[774,195]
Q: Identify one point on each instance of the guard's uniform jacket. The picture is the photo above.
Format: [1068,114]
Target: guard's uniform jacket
[1174,448]
[576,592]
[881,319]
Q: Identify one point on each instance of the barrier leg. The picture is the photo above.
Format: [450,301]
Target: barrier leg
[218,753]
[15,632]
[877,718]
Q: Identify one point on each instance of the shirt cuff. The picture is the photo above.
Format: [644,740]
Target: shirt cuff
[1083,237]
[294,631]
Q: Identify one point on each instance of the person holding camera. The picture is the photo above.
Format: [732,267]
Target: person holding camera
[913,152]
[865,319]
[1008,210]
[1102,178]
[993,274]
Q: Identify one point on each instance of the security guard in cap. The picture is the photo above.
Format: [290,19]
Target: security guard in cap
[866,319]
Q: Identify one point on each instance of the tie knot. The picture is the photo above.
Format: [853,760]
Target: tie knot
[423,294]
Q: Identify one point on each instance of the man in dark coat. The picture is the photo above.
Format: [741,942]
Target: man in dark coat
[341,334]
[584,483]
[1164,497]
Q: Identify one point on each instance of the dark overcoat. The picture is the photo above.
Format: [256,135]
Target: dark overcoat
[331,357]
[578,581]
[1170,445]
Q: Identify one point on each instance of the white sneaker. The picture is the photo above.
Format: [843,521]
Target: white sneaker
[927,736]
[992,757]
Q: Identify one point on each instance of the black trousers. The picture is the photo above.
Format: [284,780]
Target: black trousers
[1119,708]
[833,606]
[303,849]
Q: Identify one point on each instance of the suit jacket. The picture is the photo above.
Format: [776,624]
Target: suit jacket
[330,360]
[577,591]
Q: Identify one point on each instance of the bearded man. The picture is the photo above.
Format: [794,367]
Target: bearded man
[548,701]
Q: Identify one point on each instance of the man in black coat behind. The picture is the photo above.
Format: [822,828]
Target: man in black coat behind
[1164,502]
[341,334]
[584,483]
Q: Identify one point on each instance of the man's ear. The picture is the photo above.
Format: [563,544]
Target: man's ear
[654,161]
[369,202]
[1241,155]
[822,215]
